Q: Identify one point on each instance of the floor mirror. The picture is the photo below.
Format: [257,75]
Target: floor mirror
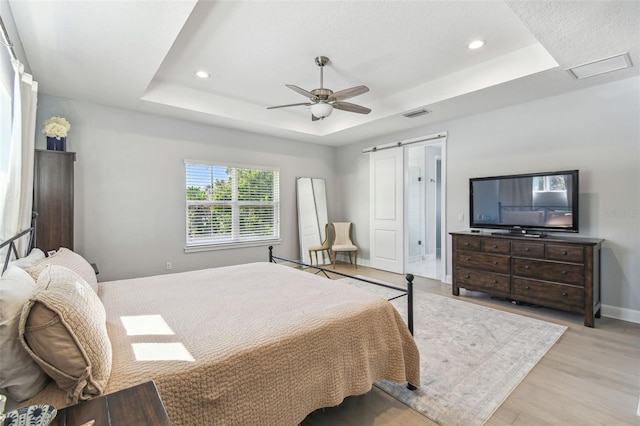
[312,217]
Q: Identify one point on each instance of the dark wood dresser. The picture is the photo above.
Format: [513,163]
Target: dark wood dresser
[53,199]
[560,273]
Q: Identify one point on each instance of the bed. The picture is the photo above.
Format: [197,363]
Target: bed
[253,344]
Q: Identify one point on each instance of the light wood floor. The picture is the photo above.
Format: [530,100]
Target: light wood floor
[591,376]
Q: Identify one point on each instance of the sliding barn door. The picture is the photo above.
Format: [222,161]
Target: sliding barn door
[387,216]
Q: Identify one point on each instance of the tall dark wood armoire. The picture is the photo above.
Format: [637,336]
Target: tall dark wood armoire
[53,199]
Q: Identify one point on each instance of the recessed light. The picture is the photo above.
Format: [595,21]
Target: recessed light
[202,74]
[477,44]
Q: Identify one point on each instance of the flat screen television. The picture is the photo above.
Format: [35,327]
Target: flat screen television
[525,204]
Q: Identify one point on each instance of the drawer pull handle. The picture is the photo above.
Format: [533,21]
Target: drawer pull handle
[527,267]
[495,246]
[467,276]
[466,243]
[495,263]
[564,272]
[565,253]
[564,293]
[495,281]
[527,249]
[468,259]
[526,287]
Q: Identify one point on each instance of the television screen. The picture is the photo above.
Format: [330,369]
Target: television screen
[546,201]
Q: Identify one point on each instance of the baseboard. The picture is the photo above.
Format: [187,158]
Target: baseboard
[623,314]
[345,258]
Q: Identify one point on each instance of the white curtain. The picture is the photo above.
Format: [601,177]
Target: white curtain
[16,198]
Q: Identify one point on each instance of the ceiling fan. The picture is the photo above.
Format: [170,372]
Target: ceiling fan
[323,100]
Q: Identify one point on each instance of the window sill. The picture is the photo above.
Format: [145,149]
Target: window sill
[228,246]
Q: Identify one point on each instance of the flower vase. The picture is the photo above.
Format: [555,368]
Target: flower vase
[54,144]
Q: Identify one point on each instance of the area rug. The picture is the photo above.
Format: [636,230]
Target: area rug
[471,356]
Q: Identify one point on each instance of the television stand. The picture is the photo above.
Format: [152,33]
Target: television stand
[555,272]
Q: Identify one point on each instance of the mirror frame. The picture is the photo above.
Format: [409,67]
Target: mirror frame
[311,196]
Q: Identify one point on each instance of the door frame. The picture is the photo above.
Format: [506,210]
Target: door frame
[444,243]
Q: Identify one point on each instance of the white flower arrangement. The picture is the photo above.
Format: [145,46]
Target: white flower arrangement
[56,127]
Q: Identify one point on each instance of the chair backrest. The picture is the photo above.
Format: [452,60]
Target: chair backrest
[325,242]
[341,233]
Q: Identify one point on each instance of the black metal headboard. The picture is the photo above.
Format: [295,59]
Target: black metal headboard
[11,242]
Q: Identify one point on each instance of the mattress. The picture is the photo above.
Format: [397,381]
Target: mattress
[254,344]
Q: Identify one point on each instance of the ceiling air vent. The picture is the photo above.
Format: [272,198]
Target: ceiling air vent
[416,113]
[601,66]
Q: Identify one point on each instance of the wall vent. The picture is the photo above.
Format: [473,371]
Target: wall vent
[416,113]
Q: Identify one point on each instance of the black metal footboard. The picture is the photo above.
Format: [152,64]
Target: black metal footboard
[406,292]
[11,245]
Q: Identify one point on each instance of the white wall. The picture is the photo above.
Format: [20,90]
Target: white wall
[596,130]
[130,185]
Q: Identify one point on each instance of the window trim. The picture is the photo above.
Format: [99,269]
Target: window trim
[235,204]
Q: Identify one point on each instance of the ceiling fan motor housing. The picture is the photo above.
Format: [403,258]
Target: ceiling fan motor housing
[322,94]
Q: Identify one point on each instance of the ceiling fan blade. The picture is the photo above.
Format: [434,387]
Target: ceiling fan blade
[347,106]
[302,91]
[290,105]
[348,93]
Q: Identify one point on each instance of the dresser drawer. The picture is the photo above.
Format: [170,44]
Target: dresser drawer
[481,280]
[549,271]
[494,245]
[468,243]
[485,261]
[545,292]
[565,253]
[526,249]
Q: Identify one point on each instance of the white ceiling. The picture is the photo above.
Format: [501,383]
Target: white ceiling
[142,55]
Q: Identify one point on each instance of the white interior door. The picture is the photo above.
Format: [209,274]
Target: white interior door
[386,168]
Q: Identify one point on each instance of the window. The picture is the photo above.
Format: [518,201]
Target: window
[549,183]
[231,204]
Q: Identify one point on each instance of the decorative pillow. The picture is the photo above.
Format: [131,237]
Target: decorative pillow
[20,377]
[29,260]
[69,259]
[63,327]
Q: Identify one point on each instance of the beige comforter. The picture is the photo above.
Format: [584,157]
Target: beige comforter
[256,344]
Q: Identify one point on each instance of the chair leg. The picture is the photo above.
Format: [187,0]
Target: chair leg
[334,259]
[356,259]
[310,258]
[350,260]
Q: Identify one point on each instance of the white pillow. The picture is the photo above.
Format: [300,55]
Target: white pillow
[20,376]
[29,260]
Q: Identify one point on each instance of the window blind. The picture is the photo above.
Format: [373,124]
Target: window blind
[230,204]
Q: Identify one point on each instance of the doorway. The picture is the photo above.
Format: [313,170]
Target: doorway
[408,206]
[424,211]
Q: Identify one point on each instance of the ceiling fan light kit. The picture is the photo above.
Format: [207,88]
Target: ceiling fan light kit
[323,100]
[321,110]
